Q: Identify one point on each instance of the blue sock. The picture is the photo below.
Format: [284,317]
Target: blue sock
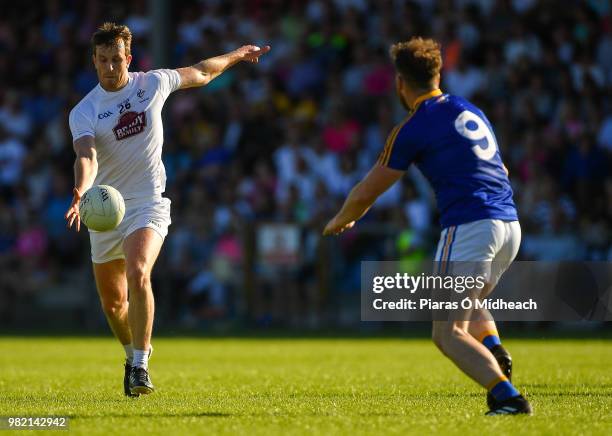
[490,341]
[504,390]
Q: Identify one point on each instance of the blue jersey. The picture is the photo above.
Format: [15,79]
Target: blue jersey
[451,141]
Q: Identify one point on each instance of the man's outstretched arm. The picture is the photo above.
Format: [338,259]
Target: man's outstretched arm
[204,71]
[362,197]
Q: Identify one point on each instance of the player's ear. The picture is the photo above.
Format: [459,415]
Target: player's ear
[129,60]
[399,83]
[436,80]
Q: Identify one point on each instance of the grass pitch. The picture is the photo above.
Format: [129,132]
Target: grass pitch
[302,386]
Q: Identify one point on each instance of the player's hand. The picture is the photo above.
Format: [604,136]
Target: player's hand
[251,53]
[335,228]
[72,214]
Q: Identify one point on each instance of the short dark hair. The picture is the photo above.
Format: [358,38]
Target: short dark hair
[109,34]
[418,61]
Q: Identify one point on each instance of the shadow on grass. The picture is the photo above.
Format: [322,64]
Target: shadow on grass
[573,394]
[155,415]
[567,387]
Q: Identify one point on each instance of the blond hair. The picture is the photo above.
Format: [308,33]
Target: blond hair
[418,61]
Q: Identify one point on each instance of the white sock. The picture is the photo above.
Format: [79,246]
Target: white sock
[141,359]
[129,353]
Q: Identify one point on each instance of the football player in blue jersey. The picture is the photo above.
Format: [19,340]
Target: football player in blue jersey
[453,145]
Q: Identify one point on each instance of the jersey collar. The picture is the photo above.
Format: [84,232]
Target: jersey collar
[422,98]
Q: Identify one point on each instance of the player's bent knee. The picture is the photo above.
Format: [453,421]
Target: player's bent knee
[446,335]
[114,308]
[452,336]
[138,279]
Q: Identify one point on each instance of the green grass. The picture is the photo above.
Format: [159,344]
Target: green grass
[302,386]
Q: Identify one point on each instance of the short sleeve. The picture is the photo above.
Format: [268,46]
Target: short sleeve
[80,124]
[168,81]
[401,147]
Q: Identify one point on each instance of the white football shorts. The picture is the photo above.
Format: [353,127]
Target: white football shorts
[485,246]
[151,212]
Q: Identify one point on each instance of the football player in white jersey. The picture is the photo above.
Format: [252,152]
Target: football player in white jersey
[118,136]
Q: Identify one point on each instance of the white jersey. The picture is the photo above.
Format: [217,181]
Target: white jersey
[128,132]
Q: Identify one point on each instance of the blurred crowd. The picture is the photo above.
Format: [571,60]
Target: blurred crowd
[284,141]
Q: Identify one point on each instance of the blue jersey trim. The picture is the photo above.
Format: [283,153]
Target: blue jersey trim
[450,248]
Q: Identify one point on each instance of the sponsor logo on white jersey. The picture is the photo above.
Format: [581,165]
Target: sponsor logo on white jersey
[130,124]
